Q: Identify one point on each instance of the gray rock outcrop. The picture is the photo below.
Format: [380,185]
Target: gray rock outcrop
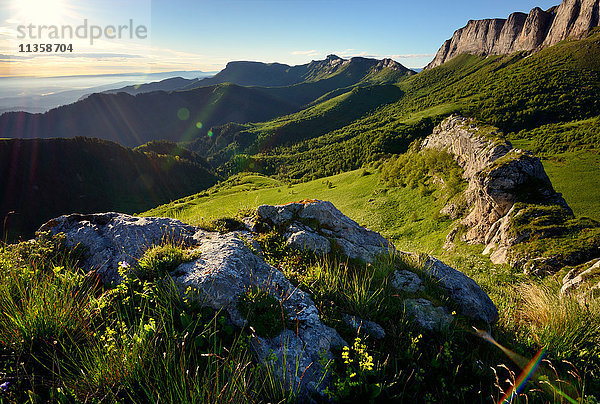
[521,32]
[428,316]
[498,176]
[227,267]
[332,229]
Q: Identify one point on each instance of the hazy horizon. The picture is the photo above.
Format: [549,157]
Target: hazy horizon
[205,35]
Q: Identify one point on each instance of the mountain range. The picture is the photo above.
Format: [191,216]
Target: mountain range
[242,92]
[318,119]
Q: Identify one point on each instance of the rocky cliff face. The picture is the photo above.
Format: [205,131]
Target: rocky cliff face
[521,32]
[498,177]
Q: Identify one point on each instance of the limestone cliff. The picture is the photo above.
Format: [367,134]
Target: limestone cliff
[498,177]
[521,32]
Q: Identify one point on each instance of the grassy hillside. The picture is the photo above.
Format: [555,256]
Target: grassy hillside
[408,214]
[68,338]
[550,95]
[229,140]
[577,177]
[405,215]
[46,178]
[134,120]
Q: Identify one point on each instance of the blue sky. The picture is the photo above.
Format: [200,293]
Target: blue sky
[204,35]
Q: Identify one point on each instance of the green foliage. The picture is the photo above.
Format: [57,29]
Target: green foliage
[358,381]
[264,312]
[225,225]
[86,175]
[562,137]
[551,231]
[159,260]
[65,338]
[172,149]
[577,177]
[46,315]
[422,168]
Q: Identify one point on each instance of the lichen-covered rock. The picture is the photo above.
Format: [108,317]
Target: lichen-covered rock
[370,328]
[302,237]
[472,301]
[428,316]
[278,215]
[406,281]
[575,279]
[225,269]
[326,221]
[113,237]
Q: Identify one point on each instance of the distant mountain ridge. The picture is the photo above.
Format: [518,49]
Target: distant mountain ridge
[278,74]
[243,92]
[170,84]
[132,120]
[521,32]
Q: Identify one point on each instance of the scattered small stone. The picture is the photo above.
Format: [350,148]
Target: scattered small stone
[407,281]
[368,327]
[428,316]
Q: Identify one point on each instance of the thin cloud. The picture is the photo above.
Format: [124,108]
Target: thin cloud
[306,53]
[7,31]
[8,57]
[412,56]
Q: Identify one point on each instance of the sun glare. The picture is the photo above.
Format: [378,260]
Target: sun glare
[41,11]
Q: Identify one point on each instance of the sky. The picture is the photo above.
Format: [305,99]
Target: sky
[175,35]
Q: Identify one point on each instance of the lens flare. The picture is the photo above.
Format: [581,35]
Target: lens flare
[183,114]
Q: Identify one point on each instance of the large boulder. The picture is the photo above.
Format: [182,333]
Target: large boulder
[226,268]
[320,226]
[498,177]
[465,292]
